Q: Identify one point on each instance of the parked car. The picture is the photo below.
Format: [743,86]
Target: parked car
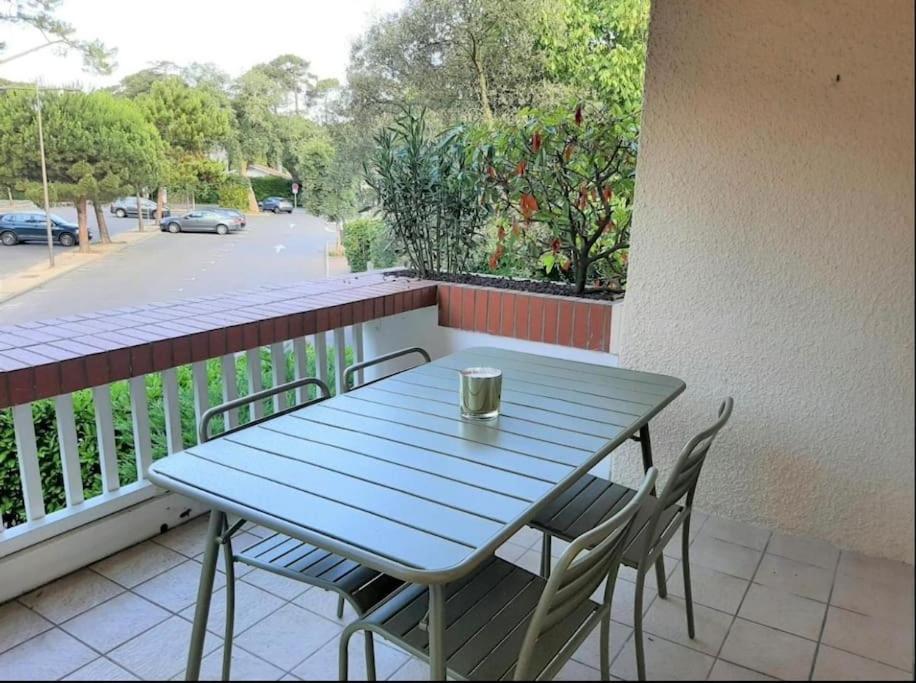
[276,204]
[124,207]
[203,220]
[233,212]
[31,227]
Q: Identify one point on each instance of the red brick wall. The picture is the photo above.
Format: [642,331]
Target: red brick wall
[584,324]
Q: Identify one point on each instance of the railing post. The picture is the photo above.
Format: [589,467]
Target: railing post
[201,390]
[340,359]
[69,449]
[139,410]
[104,427]
[253,357]
[230,388]
[173,436]
[278,373]
[29,472]
[321,357]
[301,359]
[358,351]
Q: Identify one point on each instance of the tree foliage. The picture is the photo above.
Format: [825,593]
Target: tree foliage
[40,15]
[191,120]
[460,59]
[597,50]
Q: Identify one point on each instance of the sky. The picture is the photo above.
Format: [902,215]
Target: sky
[233,35]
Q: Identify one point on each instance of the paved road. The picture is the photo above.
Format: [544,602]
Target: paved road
[273,249]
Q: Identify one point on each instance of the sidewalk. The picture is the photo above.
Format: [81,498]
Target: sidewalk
[14,284]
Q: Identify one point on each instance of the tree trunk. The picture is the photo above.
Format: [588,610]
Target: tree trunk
[82,220]
[160,204]
[139,213]
[101,224]
[252,200]
[581,264]
[483,88]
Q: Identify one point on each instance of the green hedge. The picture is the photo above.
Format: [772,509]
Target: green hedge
[233,193]
[12,509]
[367,239]
[272,187]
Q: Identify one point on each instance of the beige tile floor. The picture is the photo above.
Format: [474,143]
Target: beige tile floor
[768,607]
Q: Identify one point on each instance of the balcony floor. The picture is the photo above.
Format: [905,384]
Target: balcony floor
[767,606]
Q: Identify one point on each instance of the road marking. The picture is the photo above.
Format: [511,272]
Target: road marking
[279,247]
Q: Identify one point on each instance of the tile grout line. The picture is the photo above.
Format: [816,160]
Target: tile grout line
[820,636]
[747,589]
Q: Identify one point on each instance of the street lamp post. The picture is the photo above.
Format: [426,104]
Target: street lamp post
[44,179]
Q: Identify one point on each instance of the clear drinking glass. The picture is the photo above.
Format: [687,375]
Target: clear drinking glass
[479,392]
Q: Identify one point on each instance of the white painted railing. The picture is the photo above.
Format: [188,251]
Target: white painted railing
[42,523]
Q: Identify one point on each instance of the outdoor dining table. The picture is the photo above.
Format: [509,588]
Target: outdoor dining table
[391,476]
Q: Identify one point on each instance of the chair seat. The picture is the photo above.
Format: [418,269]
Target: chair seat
[364,588]
[592,500]
[487,616]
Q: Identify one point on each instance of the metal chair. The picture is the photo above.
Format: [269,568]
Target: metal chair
[503,622]
[595,499]
[362,587]
[359,367]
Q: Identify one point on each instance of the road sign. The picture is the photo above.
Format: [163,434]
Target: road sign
[295,188]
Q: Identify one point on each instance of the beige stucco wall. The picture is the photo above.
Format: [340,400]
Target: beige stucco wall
[772,257]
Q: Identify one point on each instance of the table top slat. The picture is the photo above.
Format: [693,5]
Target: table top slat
[524,413]
[510,483]
[514,383]
[453,425]
[534,400]
[529,373]
[570,366]
[547,435]
[313,517]
[469,528]
[487,503]
[327,413]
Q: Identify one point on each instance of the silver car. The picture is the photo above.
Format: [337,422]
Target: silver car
[203,220]
[126,207]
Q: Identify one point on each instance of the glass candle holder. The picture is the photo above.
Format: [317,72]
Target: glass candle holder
[479,392]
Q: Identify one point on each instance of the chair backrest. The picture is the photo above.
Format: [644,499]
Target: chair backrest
[577,575]
[203,429]
[685,475]
[359,367]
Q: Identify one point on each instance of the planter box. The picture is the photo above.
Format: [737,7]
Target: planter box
[564,320]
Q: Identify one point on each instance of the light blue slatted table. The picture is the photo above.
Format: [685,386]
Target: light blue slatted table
[391,476]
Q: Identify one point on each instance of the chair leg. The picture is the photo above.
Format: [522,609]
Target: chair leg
[660,579]
[637,625]
[545,555]
[685,563]
[343,656]
[230,608]
[340,608]
[606,646]
[370,657]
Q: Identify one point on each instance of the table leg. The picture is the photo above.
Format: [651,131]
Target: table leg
[645,444]
[204,591]
[437,633]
